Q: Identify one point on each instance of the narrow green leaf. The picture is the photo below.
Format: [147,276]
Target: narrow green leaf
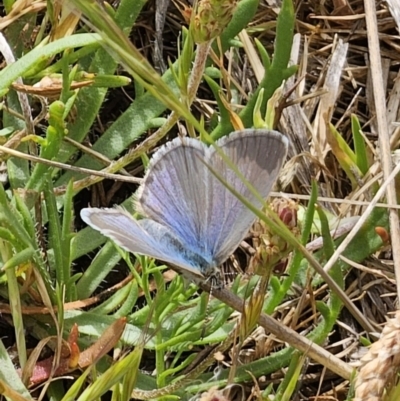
[66,239]
[19,258]
[242,16]
[100,267]
[328,244]
[55,238]
[28,220]
[344,155]
[10,74]
[130,300]
[360,147]
[9,216]
[9,375]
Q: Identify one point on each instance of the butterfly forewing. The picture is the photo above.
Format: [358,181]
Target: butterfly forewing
[258,155]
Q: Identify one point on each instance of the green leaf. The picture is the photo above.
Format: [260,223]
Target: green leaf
[9,375]
[41,53]
[360,147]
[344,155]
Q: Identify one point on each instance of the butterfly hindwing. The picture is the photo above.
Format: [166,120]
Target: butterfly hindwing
[144,236]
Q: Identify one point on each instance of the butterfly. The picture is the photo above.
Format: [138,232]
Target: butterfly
[191,220]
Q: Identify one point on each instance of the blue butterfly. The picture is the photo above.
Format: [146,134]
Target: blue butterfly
[192,221]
